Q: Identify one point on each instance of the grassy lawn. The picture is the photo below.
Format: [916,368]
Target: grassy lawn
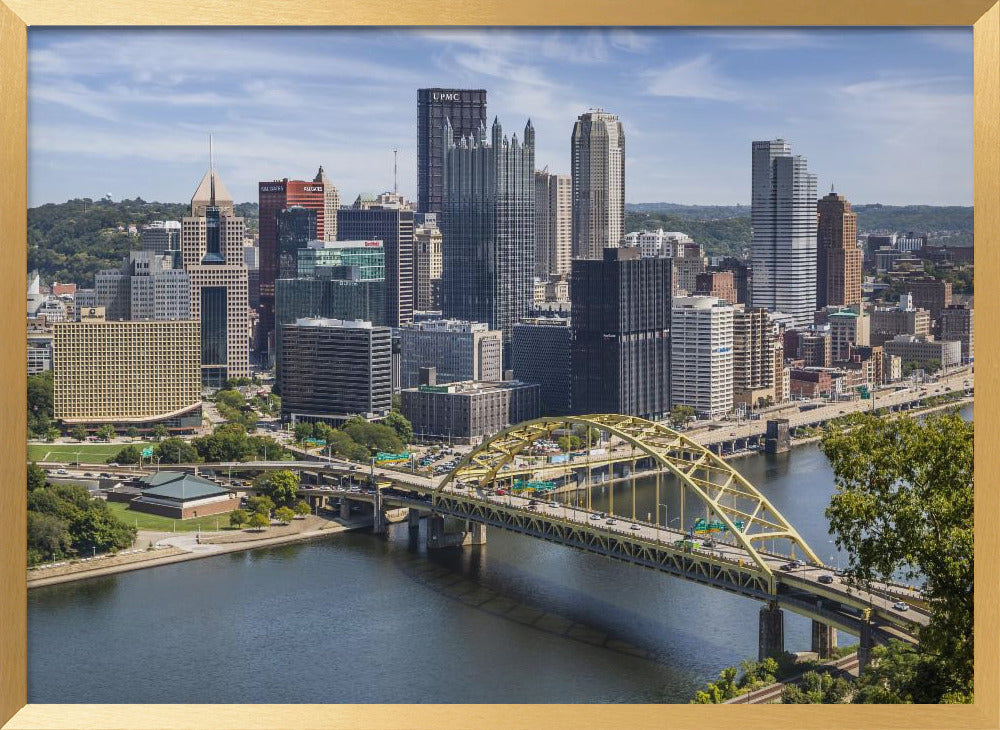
[88,452]
[166,524]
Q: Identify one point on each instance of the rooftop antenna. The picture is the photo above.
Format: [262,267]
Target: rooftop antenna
[395,172]
[211,170]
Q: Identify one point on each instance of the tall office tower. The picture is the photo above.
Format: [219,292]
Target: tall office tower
[459,351]
[145,287]
[465,109]
[958,324]
[838,258]
[621,334]
[427,265]
[127,373]
[553,224]
[597,151]
[212,252]
[742,277]
[112,287]
[931,294]
[542,353]
[488,227]
[783,216]
[701,355]
[274,197]
[393,226]
[161,236]
[333,370]
[251,259]
[331,202]
[296,228]
[753,356]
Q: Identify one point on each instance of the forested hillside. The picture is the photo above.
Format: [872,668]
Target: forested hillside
[71,241]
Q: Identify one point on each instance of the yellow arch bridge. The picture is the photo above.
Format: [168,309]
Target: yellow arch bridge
[722,532]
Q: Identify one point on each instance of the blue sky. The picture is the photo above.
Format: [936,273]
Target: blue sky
[885,115]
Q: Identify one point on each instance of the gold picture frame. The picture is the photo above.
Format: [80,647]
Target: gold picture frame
[17,15]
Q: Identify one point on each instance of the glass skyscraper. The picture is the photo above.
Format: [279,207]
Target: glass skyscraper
[488,227]
[783,215]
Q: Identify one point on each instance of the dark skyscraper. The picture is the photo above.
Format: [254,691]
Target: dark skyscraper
[838,258]
[393,226]
[466,110]
[621,334]
[488,227]
[296,228]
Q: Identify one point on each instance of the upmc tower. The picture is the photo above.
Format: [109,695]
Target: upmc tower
[274,197]
[466,110]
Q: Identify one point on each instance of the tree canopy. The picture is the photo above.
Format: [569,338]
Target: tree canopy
[903,506]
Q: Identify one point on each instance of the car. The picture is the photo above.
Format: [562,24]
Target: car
[796,563]
[709,543]
[533,507]
[88,474]
[900,606]
[826,578]
[532,502]
[61,471]
[634,527]
[788,566]
[501,492]
[595,517]
[114,464]
[610,521]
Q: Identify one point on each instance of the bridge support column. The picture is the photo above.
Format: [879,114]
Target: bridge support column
[345,509]
[413,520]
[477,533]
[866,641]
[824,639]
[771,632]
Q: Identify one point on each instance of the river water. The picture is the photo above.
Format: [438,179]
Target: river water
[354,618]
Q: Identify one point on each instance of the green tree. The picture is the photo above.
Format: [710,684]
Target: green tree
[904,505]
[302,509]
[133,432]
[229,442]
[259,521]
[373,436]
[130,454]
[281,486]
[231,398]
[238,518]
[284,515]
[681,414]
[345,447]
[40,398]
[303,431]
[260,505]
[160,432]
[722,689]
[176,451]
[323,431]
[398,423]
[106,432]
[816,688]
[48,537]
[79,432]
[37,477]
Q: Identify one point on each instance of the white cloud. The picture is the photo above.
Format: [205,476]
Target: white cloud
[698,78]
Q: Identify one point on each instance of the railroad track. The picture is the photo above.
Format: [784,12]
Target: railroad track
[772,693]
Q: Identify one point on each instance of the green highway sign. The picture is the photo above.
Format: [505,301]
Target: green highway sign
[147,452]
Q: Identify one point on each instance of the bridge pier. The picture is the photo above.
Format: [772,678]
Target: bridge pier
[778,436]
[866,641]
[824,639]
[413,520]
[345,509]
[445,532]
[771,632]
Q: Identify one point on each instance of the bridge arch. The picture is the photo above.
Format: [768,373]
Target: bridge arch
[716,484]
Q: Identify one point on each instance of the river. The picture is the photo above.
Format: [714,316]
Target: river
[355,618]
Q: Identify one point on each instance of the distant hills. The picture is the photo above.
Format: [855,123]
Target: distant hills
[72,241]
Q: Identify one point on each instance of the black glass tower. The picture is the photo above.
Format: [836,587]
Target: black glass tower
[488,227]
[296,228]
[466,110]
[621,334]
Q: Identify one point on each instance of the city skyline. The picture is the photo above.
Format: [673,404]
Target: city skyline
[884,115]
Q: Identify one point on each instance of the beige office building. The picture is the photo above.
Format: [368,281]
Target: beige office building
[212,253]
[553,224]
[331,203]
[597,152]
[427,265]
[127,373]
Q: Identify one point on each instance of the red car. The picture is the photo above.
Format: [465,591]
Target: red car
[501,491]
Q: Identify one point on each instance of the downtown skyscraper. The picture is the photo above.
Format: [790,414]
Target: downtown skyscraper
[838,258]
[783,216]
[553,224]
[597,153]
[488,226]
[465,110]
